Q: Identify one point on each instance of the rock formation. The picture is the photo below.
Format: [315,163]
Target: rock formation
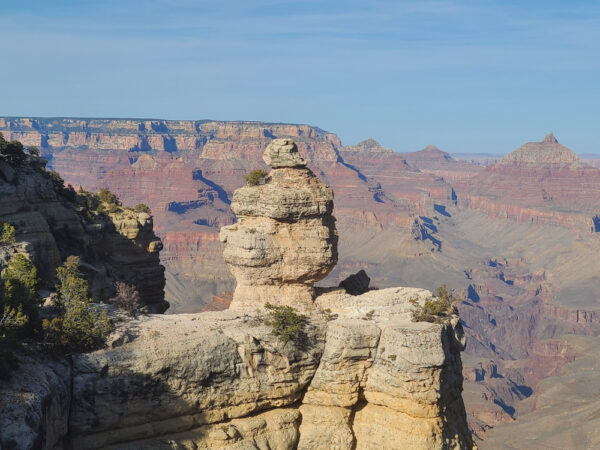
[50,226]
[437,162]
[284,239]
[370,378]
[540,182]
[361,374]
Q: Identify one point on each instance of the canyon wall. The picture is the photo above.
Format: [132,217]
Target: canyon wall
[516,240]
[50,225]
[358,371]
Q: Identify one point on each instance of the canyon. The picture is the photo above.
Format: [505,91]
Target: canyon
[358,372]
[516,238]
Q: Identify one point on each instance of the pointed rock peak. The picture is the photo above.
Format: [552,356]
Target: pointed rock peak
[368,146]
[545,153]
[283,153]
[369,143]
[432,152]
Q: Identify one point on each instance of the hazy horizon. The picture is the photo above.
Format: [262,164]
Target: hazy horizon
[465,76]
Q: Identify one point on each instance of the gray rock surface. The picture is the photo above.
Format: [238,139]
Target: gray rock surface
[283,153]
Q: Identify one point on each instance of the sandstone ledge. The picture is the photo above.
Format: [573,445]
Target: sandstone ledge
[370,378]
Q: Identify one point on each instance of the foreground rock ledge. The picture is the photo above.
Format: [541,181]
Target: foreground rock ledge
[370,378]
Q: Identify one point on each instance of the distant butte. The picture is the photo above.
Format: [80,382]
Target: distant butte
[369,146]
[548,151]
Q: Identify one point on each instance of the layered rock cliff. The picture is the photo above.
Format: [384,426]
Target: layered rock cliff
[51,224]
[186,171]
[360,374]
[540,182]
[284,239]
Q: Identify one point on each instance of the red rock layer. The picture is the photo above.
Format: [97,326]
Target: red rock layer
[187,170]
[433,160]
[541,182]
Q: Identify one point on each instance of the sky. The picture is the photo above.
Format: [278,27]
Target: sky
[467,76]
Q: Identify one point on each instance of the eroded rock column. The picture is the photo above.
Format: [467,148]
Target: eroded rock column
[285,238]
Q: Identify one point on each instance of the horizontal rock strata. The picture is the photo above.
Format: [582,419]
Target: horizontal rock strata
[284,239]
[367,378]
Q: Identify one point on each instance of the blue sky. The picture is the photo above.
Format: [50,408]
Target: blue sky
[474,76]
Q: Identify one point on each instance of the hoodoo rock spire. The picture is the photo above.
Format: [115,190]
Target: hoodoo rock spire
[285,238]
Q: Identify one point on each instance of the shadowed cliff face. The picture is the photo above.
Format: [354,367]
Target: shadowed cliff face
[50,225]
[419,219]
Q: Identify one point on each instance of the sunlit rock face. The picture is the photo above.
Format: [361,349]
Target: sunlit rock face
[284,239]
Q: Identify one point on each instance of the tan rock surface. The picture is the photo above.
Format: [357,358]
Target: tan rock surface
[222,380]
[384,379]
[285,238]
[51,226]
[169,374]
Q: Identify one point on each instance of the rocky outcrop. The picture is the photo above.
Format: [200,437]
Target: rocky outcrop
[51,224]
[367,378]
[383,380]
[540,182]
[284,239]
[437,162]
[186,171]
[369,146]
[34,404]
[359,373]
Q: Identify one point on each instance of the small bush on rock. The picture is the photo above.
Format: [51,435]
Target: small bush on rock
[127,299]
[286,323]
[19,299]
[253,178]
[57,181]
[82,326]
[104,195]
[19,303]
[12,150]
[435,310]
[7,234]
[142,208]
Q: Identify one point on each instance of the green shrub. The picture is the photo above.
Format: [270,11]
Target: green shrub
[113,208]
[82,326]
[142,208]
[18,302]
[7,234]
[13,150]
[327,315]
[285,322]
[19,299]
[435,310]
[33,151]
[253,178]
[57,181]
[104,195]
